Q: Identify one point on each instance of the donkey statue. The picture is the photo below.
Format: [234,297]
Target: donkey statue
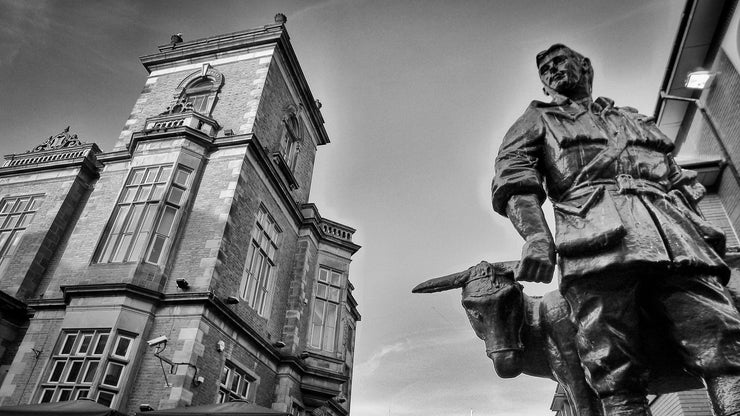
[535,336]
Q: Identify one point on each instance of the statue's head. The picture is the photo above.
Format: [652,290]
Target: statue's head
[565,72]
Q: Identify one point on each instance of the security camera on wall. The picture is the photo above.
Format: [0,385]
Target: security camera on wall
[157,341]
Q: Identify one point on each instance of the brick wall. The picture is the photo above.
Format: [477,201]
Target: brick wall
[268,128]
[193,335]
[63,190]
[25,372]
[234,108]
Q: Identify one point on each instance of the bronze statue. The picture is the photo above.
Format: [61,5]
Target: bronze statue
[633,250]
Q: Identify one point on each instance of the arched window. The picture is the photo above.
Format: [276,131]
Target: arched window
[290,142]
[199,96]
[197,92]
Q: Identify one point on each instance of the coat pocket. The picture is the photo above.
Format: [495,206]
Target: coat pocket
[713,235]
[587,225]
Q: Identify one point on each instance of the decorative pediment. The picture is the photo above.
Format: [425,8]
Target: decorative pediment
[59,141]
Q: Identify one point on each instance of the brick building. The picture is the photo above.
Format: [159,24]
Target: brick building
[195,228]
[703,122]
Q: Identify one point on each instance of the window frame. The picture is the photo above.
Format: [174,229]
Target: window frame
[120,243]
[260,268]
[292,136]
[62,380]
[245,385]
[326,344]
[195,88]
[16,228]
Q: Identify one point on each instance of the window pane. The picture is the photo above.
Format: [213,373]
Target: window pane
[25,220]
[68,344]
[143,193]
[235,380]
[335,278]
[120,254]
[157,247]
[46,396]
[82,393]
[165,224]
[56,372]
[175,195]
[113,374]
[164,174]
[105,398]
[35,202]
[225,376]
[316,336]
[334,294]
[64,395]
[331,315]
[121,349]
[321,291]
[92,367]
[128,194]
[323,275]
[5,207]
[318,312]
[136,176]
[20,204]
[74,371]
[181,177]
[100,346]
[158,192]
[3,239]
[84,344]
[151,175]
[328,340]
[244,388]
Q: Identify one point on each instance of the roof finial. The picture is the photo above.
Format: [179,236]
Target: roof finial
[280,19]
[175,39]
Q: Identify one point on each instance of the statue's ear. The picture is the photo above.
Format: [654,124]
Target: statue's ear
[586,63]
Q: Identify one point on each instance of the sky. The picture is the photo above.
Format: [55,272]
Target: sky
[417,96]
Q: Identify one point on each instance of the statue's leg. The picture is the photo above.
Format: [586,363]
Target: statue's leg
[724,391]
[606,315]
[705,326]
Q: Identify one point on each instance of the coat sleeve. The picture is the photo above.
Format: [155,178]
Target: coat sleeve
[517,163]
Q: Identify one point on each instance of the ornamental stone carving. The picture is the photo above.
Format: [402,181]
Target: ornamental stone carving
[61,140]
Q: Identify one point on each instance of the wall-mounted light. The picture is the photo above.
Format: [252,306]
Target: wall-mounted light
[278,344]
[231,300]
[182,284]
[146,407]
[699,80]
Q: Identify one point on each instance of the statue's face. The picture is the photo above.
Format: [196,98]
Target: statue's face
[562,72]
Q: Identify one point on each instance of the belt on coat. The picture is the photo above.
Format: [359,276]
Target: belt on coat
[622,184]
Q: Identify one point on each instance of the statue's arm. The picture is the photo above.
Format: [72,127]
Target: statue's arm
[517,193]
[685,182]
[538,254]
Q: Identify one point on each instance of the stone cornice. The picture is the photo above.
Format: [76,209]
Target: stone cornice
[83,156]
[274,34]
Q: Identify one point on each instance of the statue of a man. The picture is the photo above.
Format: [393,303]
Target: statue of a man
[630,243]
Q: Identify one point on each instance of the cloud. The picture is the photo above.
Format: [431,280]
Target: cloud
[20,25]
[439,369]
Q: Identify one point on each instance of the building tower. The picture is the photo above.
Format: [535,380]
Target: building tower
[194,233]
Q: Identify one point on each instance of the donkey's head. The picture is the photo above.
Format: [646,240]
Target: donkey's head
[494,303]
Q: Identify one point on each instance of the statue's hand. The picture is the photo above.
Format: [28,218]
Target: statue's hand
[538,259]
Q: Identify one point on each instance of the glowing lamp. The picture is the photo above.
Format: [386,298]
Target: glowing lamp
[699,80]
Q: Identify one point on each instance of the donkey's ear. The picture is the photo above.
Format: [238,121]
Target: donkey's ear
[440,284]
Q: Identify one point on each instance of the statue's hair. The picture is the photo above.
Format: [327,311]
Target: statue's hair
[558,46]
